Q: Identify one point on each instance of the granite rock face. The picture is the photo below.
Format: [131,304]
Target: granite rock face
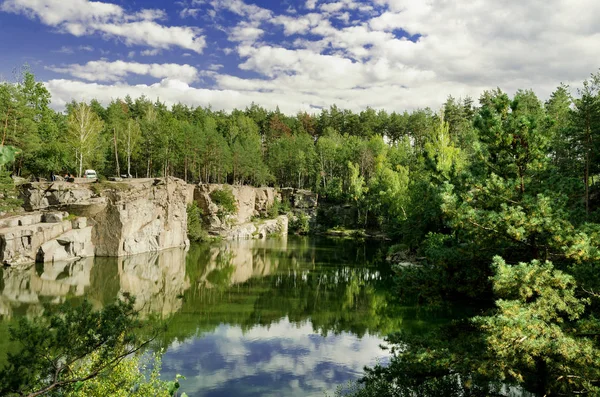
[43,237]
[113,219]
[44,196]
[259,229]
[251,202]
[141,216]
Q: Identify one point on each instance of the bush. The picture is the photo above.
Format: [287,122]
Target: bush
[225,200]
[70,345]
[274,210]
[300,224]
[129,378]
[285,206]
[8,193]
[195,231]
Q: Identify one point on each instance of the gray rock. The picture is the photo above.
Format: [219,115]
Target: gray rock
[68,246]
[79,223]
[305,199]
[250,202]
[54,217]
[131,217]
[20,244]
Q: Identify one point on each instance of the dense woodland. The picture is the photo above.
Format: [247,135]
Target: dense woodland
[501,196]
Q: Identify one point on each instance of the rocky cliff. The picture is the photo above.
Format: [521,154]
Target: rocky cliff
[102,219]
[253,204]
[65,221]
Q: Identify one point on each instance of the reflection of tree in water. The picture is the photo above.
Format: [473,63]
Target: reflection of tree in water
[335,300]
[335,284]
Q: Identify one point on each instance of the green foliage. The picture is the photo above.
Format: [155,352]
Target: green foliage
[225,199]
[275,209]
[70,345]
[300,223]
[9,200]
[131,377]
[195,229]
[534,335]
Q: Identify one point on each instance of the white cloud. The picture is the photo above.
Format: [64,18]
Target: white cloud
[297,25]
[239,7]
[150,53]
[215,67]
[119,70]
[325,357]
[83,17]
[246,32]
[337,6]
[131,54]
[463,48]
[65,50]
[189,12]
[311,4]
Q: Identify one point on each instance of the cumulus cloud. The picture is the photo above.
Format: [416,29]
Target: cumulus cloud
[246,32]
[239,7]
[311,4]
[119,70]
[83,17]
[189,12]
[391,54]
[150,53]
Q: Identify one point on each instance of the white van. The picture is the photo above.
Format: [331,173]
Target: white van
[90,174]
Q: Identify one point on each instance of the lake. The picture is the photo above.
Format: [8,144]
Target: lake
[294,316]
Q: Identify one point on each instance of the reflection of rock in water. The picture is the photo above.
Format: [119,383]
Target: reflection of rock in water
[51,282]
[157,280]
[235,262]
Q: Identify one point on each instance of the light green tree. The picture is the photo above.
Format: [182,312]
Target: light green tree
[84,129]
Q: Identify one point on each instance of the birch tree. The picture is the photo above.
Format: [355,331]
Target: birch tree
[84,129]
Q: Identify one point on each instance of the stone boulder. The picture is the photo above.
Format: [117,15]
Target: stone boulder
[305,199]
[251,202]
[258,230]
[76,243]
[44,237]
[38,196]
[245,197]
[264,200]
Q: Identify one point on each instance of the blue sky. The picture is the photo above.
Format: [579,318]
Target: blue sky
[299,54]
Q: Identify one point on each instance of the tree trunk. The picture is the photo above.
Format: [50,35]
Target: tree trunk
[5,127]
[586,177]
[116,152]
[128,149]
[185,168]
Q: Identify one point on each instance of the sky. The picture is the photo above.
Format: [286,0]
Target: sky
[299,55]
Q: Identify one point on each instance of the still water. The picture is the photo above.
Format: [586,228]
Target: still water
[283,317]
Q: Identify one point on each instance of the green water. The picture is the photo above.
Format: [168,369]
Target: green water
[283,317]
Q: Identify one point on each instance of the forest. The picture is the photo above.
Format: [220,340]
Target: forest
[501,197]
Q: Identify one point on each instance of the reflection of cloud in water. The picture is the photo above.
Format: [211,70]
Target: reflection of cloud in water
[281,359]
